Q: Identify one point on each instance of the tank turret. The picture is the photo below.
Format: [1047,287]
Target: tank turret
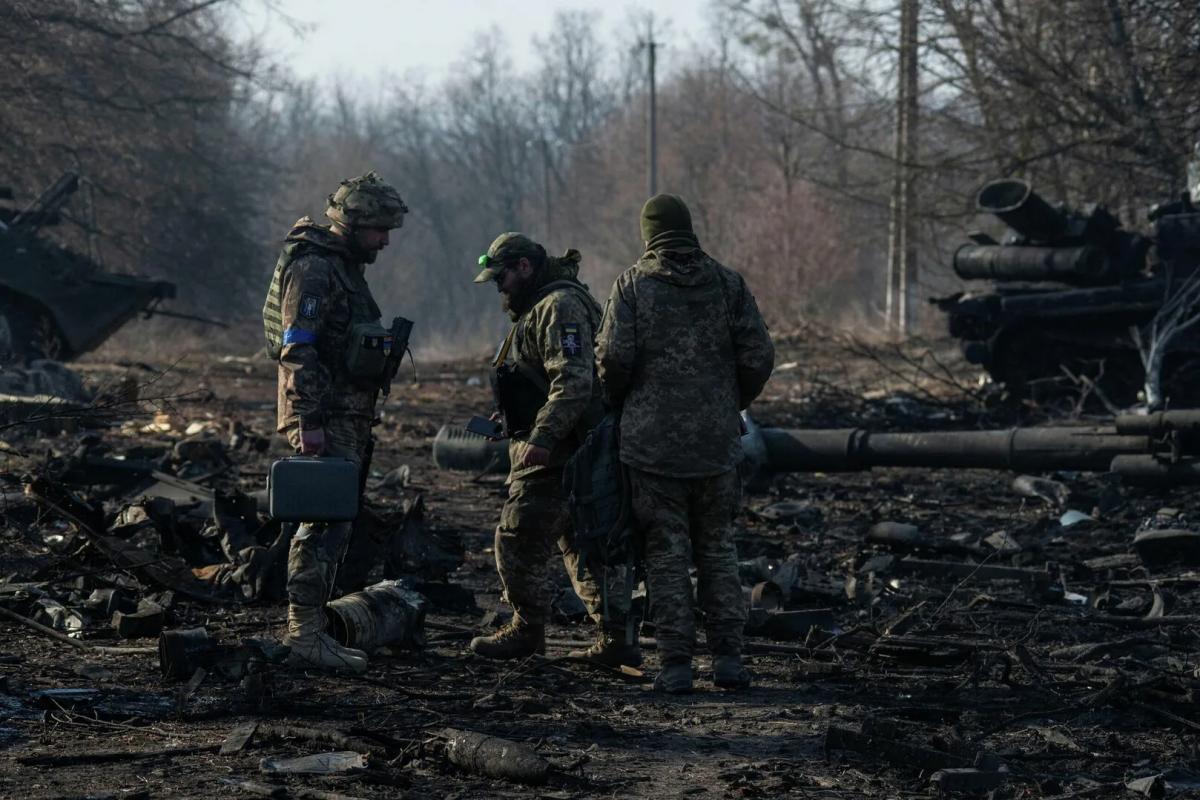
[54,302]
[1063,289]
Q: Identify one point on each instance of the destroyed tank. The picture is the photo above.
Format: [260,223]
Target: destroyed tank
[56,303]
[1063,290]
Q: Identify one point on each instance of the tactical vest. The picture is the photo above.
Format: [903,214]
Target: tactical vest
[273,307]
[521,389]
[368,342]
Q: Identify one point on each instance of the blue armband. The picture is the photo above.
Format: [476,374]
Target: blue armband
[298,336]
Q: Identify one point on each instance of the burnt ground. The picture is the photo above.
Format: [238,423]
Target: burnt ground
[1069,674]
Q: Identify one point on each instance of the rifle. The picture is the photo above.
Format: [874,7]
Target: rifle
[400,331]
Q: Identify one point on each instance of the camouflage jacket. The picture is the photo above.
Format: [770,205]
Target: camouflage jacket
[554,339]
[322,293]
[682,349]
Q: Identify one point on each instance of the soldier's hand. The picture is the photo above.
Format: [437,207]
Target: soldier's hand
[534,456]
[312,443]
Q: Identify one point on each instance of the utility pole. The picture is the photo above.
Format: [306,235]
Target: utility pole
[652,112]
[546,187]
[902,245]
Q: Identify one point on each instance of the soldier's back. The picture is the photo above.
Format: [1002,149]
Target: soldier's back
[680,416]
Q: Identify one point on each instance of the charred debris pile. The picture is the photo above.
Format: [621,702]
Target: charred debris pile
[923,628]
[123,521]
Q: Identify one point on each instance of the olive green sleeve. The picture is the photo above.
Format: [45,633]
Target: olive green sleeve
[563,336]
[616,343]
[307,286]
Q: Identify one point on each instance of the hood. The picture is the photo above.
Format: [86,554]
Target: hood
[308,231]
[684,267]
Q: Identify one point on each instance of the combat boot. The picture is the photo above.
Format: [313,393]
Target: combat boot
[312,647]
[514,640]
[728,673]
[611,650]
[675,677]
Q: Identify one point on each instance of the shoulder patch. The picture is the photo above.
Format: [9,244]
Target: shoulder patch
[569,339]
[310,305]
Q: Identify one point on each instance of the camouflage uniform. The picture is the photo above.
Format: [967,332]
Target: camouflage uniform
[681,349]
[318,294]
[323,292]
[553,340]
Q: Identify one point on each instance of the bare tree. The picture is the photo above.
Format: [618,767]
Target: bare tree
[145,100]
[1180,312]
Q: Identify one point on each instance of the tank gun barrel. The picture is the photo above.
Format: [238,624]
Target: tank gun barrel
[1022,449]
[997,262]
[46,207]
[1022,209]
[1161,447]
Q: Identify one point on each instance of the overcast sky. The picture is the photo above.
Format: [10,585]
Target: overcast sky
[361,39]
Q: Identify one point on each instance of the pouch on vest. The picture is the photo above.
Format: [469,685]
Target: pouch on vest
[368,349]
[518,398]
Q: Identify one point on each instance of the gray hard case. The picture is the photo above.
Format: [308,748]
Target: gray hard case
[313,489]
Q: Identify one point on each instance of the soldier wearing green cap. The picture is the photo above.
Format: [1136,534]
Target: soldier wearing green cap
[682,349]
[318,315]
[549,399]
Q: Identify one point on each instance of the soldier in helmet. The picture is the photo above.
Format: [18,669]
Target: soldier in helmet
[549,399]
[324,327]
[682,349]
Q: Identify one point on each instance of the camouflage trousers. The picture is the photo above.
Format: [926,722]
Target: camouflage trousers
[317,548]
[686,520]
[535,516]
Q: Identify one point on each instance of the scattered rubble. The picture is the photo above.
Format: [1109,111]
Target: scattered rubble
[912,631]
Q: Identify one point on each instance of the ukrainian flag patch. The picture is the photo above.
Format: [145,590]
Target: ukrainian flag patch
[569,339]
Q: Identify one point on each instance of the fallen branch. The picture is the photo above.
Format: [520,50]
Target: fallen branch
[61,637]
[109,756]
[318,736]
[1167,715]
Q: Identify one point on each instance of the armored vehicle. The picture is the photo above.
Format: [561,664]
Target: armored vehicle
[56,303]
[1063,291]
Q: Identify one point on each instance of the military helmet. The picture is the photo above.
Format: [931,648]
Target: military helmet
[366,202]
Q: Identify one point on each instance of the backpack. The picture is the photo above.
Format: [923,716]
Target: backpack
[597,487]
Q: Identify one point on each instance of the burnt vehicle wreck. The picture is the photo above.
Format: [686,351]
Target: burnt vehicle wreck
[54,302]
[1064,289]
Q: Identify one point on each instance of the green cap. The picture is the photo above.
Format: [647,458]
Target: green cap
[504,250]
[665,213]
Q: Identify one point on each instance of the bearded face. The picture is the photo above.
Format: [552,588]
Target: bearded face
[516,291]
[367,242]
